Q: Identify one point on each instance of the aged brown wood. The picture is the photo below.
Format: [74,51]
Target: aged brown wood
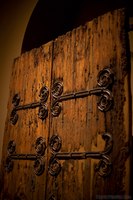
[74,59]
[78,57]
[29,73]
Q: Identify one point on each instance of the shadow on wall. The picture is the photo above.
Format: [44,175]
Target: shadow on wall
[52,18]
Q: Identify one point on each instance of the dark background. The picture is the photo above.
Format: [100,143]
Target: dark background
[52,18]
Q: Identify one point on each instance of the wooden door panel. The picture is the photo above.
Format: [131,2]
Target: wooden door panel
[83,77]
[76,123]
[78,57]
[30,73]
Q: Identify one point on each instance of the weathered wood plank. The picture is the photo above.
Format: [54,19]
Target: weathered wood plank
[30,72]
[78,57]
[74,59]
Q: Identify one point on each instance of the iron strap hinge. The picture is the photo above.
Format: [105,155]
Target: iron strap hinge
[104,166]
[38,158]
[105,80]
[42,112]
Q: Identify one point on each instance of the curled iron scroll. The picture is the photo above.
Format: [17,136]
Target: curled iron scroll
[105,80]
[42,112]
[103,168]
[38,158]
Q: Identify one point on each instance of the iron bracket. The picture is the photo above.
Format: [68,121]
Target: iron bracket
[39,166]
[105,79]
[104,166]
[42,112]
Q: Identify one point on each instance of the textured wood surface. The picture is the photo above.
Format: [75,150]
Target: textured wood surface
[30,72]
[74,59]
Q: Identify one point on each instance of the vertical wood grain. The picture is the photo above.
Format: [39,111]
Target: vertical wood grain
[78,56]
[75,59]
[30,72]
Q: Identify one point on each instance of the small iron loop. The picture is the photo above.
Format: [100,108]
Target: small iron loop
[16,100]
[54,167]
[40,146]
[9,165]
[39,166]
[109,143]
[11,147]
[43,112]
[56,109]
[105,77]
[52,197]
[55,143]
[57,89]
[13,117]
[106,101]
[104,167]
[44,93]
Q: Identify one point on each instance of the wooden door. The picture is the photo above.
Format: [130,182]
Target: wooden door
[67,133]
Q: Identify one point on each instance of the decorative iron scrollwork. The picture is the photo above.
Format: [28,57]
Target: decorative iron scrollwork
[16,100]
[52,197]
[106,101]
[9,164]
[44,94]
[40,146]
[39,165]
[13,117]
[57,89]
[105,79]
[55,143]
[104,166]
[43,111]
[11,147]
[56,108]
[54,166]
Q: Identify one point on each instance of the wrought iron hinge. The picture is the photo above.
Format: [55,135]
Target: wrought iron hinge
[105,80]
[52,197]
[104,166]
[42,112]
[39,166]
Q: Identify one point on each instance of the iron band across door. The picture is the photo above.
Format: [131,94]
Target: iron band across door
[39,166]
[43,111]
[104,166]
[105,80]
